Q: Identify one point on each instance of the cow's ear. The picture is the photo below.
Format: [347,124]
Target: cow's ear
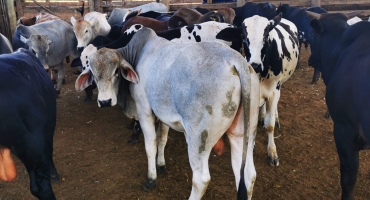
[276,20]
[317,26]
[128,72]
[73,21]
[84,80]
[229,34]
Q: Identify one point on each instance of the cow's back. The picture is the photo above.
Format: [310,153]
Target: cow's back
[26,92]
[285,55]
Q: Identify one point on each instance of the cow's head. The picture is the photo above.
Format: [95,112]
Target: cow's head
[106,67]
[176,22]
[39,44]
[255,33]
[326,32]
[84,31]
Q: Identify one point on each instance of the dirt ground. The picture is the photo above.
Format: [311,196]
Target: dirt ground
[95,161]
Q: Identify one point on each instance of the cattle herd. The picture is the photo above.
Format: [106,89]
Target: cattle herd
[197,71]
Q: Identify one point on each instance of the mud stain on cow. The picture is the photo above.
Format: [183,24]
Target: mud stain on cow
[234,72]
[203,139]
[229,108]
[209,109]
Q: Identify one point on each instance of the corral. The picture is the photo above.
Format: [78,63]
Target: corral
[95,160]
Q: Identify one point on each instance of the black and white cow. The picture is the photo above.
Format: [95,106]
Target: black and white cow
[58,42]
[5,46]
[250,9]
[190,100]
[28,118]
[342,54]
[272,48]
[298,16]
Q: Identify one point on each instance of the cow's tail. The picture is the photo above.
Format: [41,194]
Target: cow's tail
[250,98]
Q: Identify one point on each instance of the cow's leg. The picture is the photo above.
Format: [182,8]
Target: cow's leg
[49,135]
[271,107]
[136,130]
[316,76]
[348,152]
[150,141]
[61,73]
[277,123]
[37,164]
[236,134]
[262,115]
[199,150]
[162,134]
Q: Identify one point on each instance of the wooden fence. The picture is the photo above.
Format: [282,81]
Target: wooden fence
[11,10]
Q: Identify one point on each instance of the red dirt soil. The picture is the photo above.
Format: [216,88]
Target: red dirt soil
[95,161]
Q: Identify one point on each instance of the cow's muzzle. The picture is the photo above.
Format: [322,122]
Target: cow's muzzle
[80,49]
[257,67]
[105,103]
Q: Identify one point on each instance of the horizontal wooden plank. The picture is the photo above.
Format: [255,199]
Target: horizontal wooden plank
[331,2]
[347,7]
[174,7]
[364,15]
[47,4]
[65,9]
[185,1]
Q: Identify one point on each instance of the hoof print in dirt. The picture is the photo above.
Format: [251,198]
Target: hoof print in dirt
[149,184]
[273,162]
[161,169]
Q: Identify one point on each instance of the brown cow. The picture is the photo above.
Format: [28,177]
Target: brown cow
[41,17]
[228,15]
[192,16]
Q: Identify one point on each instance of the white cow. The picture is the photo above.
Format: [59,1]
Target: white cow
[272,48]
[93,24]
[116,17]
[195,88]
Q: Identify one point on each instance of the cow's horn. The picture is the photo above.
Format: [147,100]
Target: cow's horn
[353,14]
[313,15]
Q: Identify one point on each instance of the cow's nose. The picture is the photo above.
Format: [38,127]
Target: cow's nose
[80,48]
[105,103]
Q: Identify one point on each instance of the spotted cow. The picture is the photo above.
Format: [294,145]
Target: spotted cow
[272,48]
[191,101]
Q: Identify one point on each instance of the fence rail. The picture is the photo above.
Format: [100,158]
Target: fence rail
[67,8]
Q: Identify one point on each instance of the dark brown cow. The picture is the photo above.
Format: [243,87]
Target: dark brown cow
[192,16]
[156,25]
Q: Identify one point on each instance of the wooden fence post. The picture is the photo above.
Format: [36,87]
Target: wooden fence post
[315,3]
[9,5]
[91,5]
[167,3]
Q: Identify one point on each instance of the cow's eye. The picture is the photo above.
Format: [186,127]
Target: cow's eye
[86,31]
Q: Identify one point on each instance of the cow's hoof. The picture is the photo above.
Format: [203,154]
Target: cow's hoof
[149,184]
[327,115]
[261,123]
[88,99]
[273,162]
[277,124]
[64,81]
[57,92]
[161,169]
[55,177]
[314,81]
